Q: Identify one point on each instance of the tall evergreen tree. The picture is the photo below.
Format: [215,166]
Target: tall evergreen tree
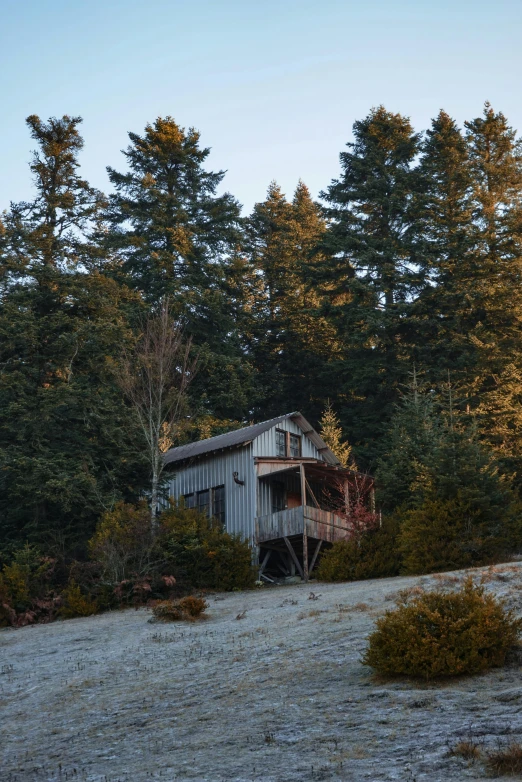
[175,236]
[494,388]
[442,315]
[66,449]
[287,340]
[373,272]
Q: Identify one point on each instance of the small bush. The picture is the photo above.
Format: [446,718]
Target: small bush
[200,554]
[373,554]
[186,609]
[123,543]
[455,533]
[507,762]
[25,588]
[75,604]
[443,634]
[193,606]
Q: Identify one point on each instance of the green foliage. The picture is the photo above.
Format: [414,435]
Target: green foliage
[373,554]
[371,275]
[438,634]
[75,604]
[201,554]
[124,543]
[67,446]
[448,534]
[186,544]
[286,334]
[25,584]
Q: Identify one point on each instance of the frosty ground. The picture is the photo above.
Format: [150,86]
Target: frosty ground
[279,695]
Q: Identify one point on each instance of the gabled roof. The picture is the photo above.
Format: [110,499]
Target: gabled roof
[246,435]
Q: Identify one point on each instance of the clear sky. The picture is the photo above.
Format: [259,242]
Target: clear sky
[273,86]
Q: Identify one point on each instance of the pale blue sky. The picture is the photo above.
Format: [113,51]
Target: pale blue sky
[274,87]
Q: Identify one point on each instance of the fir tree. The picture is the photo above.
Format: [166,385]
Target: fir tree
[173,235]
[66,447]
[373,273]
[332,434]
[287,339]
[493,389]
[442,315]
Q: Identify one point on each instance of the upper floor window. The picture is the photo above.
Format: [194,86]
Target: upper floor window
[288,444]
[295,446]
[280,442]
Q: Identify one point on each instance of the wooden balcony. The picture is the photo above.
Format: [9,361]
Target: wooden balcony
[313,522]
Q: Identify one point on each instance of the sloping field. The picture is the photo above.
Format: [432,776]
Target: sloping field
[279,695]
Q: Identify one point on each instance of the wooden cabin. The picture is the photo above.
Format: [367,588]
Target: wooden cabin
[277,484]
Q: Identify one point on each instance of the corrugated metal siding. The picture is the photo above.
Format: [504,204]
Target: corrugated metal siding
[265,445]
[216,470]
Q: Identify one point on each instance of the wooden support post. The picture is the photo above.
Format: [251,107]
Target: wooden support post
[305,553]
[316,552]
[305,536]
[303,486]
[294,557]
[263,564]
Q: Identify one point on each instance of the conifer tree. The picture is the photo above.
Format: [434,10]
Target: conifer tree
[174,236]
[441,316]
[287,340]
[66,448]
[332,434]
[372,274]
[493,388]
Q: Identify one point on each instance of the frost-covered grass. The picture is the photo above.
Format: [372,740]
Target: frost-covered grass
[280,696]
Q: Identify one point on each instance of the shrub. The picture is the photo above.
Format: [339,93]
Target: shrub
[200,554]
[193,606]
[75,604]
[186,609]
[370,555]
[123,543]
[443,634]
[451,534]
[25,595]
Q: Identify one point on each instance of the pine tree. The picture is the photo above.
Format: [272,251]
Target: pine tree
[332,434]
[372,275]
[174,236]
[66,448]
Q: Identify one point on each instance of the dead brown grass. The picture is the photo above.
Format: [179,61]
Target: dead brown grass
[505,762]
[467,750]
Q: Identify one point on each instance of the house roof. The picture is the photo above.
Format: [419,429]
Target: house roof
[243,436]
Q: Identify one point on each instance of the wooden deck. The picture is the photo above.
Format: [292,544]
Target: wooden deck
[314,522]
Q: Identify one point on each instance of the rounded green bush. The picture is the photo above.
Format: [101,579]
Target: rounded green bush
[443,634]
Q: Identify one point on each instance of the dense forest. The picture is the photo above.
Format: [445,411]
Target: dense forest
[396,300]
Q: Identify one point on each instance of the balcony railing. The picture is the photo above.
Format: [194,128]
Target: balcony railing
[319,524]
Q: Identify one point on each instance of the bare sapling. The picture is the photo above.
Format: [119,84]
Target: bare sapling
[154,376]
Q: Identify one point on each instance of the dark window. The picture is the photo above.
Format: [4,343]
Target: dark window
[295,446]
[280,442]
[278,496]
[204,501]
[190,500]
[218,503]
